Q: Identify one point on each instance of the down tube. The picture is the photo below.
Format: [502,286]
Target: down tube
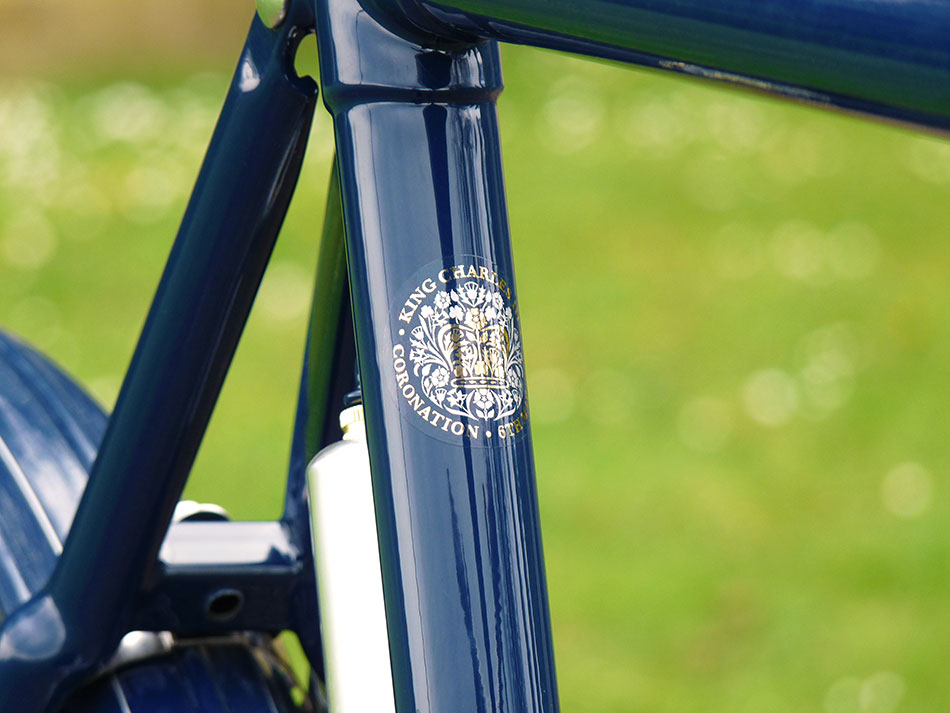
[442,367]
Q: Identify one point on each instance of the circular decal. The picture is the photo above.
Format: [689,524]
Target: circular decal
[457,354]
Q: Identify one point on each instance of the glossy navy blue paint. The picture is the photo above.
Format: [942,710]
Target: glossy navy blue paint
[421,181]
[257,559]
[885,58]
[73,623]
[204,677]
[460,548]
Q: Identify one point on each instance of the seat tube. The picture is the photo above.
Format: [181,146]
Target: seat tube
[442,366]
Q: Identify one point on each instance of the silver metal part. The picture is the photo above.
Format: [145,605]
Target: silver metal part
[272,12]
[140,645]
[191,511]
[346,550]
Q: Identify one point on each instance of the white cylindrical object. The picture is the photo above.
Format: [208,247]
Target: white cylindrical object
[349,583]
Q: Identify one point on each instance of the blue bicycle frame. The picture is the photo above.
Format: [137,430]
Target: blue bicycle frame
[417,235]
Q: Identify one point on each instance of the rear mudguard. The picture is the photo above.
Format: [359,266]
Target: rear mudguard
[193,678]
[49,432]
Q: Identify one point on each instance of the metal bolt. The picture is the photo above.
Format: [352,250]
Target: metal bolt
[272,12]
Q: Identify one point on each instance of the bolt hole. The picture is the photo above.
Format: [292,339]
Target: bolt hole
[224,604]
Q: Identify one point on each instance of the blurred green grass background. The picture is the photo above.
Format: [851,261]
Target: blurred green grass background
[735,317]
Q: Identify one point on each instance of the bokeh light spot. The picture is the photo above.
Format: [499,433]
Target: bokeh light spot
[127,111]
[928,159]
[797,250]
[770,397]
[29,240]
[285,292]
[737,126]
[907,490]
[828,372]
[881,692]
[571,119]
[551,393]
[655,124]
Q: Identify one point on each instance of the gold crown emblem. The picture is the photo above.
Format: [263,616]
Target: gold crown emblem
[466,353]
[476,356]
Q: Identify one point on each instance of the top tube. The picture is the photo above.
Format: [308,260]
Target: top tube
[889,58]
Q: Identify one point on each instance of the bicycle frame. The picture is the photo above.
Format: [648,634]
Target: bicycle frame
[418,186]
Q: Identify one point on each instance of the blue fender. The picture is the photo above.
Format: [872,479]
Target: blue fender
[49,432]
